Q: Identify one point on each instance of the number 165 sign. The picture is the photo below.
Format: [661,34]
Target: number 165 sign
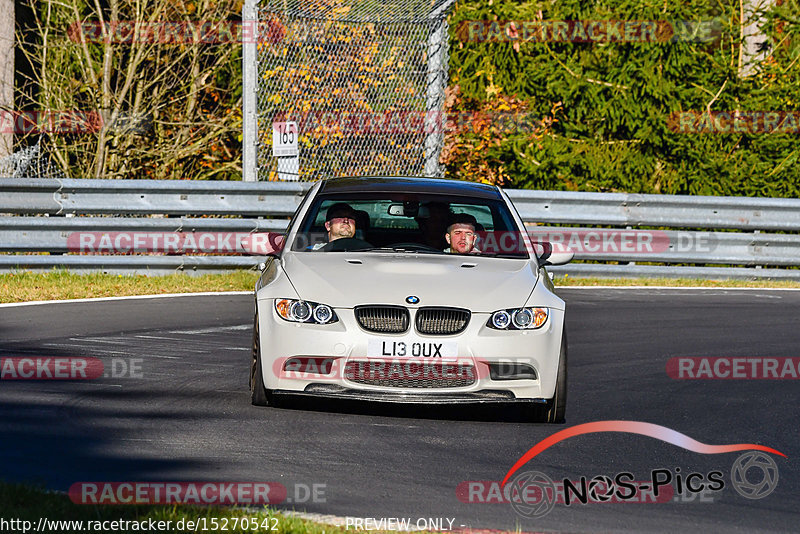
[284,139]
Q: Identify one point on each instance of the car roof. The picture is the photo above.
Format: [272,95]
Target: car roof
[408,184]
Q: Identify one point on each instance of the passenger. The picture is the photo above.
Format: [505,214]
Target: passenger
[461,234]
[340,222]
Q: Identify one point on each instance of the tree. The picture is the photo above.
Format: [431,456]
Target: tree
[139,88]
[612,130]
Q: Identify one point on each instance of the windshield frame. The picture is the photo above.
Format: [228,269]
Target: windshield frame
[501,213]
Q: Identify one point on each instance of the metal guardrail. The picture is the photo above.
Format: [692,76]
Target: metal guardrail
[143,197]
[620,209]
[670,271]
[128,264]
[52,234]
[726,248]
[37,215]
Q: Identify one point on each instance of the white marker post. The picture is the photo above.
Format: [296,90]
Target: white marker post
[249,91]
[285,147]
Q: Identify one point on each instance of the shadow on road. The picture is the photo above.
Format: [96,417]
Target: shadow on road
[511,413]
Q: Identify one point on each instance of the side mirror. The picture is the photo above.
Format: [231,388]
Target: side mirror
[263,243]
[553,253]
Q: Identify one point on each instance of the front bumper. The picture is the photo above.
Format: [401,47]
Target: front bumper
[417,397]
[344,344]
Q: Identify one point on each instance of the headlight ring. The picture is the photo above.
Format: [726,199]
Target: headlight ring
[304,311]
[518,318]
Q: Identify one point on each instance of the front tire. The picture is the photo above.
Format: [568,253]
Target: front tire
[556,408]
[259,396]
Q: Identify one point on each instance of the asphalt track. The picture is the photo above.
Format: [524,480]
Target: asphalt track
[186,415]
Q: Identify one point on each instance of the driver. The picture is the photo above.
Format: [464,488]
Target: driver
[340,222]
[461,234]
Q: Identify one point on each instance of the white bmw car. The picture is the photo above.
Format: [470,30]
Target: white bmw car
[411,290]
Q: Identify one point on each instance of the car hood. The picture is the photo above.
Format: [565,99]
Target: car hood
[348,279]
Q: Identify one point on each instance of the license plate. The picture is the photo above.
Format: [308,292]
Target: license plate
[412,349]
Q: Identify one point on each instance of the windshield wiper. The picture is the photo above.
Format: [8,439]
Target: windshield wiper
[401,249]
[503,255]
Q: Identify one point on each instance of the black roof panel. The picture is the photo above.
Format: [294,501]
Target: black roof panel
[406,184]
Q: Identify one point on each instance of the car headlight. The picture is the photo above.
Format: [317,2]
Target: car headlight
[500,320]
[303,311]
[518,319]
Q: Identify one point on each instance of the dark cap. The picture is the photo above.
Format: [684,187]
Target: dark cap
[340,209]
[463,218]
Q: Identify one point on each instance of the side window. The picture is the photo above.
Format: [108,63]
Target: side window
[293,220]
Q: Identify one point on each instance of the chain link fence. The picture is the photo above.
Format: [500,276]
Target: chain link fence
[31,162]
[363,79]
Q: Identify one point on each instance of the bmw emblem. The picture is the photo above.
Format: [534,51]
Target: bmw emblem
[412,299]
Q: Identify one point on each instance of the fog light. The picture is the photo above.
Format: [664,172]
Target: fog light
[309,365]
[512,371]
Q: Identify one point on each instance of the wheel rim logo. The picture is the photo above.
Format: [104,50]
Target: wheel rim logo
[532,494]
[747,482]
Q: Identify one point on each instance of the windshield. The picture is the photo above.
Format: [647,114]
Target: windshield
[408,222]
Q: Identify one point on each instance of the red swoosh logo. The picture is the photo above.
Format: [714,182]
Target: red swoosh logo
[634,427]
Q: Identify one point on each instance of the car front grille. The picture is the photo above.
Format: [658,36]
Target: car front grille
[410,374]
[441,321]
[382,319]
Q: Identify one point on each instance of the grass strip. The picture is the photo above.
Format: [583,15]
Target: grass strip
[567,280]
[64,285]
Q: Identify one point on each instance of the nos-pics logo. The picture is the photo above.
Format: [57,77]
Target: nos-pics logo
[754,474]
